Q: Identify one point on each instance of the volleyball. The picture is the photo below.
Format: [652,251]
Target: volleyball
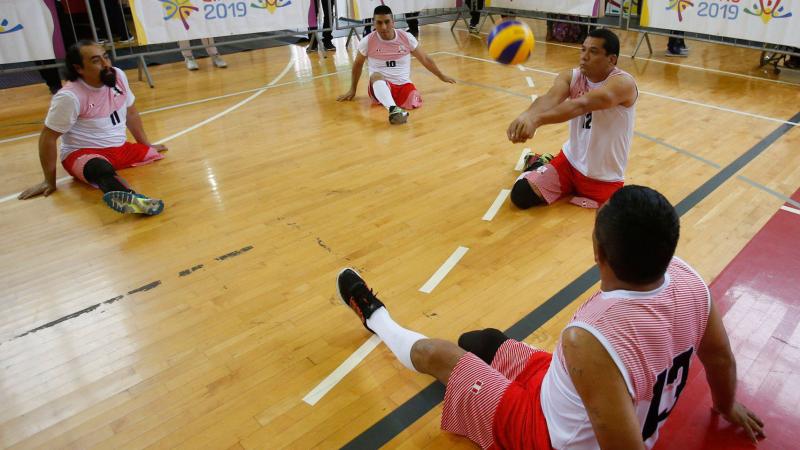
[511,42]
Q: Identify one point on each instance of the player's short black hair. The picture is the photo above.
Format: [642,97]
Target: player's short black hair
[382,10]
[637,231]
[74,58]
[610,40]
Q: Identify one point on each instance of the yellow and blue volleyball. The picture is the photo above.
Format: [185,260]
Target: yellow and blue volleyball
[511,42]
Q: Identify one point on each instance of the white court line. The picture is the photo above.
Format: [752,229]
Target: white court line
[495,62]
[530,81]
[194,102]
[448,265]
[667,97]
[12,196]
[521,67]
[18,138]
[521,161]
[344,368]
[234,94]
[534,97]
[688,66]
[721,108]
[790,209]
[498,202]
[232,108]
[271,84]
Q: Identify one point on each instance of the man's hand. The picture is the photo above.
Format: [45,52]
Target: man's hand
[43,188]
[743,417]
[447,79]
[349,95]
[159,147]
[522,128]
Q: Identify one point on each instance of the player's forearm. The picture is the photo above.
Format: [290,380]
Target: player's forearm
[355,76]
[721,377]
[48,155]
[561,113]
[542,103]
[431,66]
[136,127]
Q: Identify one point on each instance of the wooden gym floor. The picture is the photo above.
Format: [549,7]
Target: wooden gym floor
[207,326]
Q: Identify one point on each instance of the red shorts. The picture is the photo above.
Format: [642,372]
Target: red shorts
[405,95]
[127,155]
[558,179]
[498,406]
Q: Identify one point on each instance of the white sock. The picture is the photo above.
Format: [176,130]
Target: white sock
[398,339]
[383,93]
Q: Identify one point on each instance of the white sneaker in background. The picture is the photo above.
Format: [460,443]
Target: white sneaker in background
[191,63]
[219,62]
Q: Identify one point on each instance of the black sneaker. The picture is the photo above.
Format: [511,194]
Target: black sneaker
[329,47]
[534,161]
[353,292]
[397,115]
[311,48]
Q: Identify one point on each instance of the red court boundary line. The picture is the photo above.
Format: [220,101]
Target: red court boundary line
[759,297]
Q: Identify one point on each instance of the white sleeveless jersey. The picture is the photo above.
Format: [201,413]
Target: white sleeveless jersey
[651,337]
[599,142]
[392,59]
[90,117]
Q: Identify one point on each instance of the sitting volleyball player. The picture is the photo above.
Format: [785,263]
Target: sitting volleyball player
[598,100]
[619,366]
[389,51]
[90,114]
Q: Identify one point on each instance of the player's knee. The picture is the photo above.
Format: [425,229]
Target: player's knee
[482,343]
[523,195]
[98,168]
[375,77]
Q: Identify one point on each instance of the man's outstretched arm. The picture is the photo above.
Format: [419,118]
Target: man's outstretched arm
[358,65]
[718,360]
[427,61]
[48,157]
[558,92]
[618,91]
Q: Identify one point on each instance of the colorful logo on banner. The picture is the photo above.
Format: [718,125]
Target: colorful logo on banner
[770,10]
[679,6]
[271,5]
[178,9]
[4,30]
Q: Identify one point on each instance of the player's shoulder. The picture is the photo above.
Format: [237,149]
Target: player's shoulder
[407,38]
[65,97]
[619,77]
[565,76]
[680,268]
[363,44]
[121,75]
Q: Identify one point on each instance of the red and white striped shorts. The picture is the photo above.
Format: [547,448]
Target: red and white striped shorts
[498,405]
[559,178]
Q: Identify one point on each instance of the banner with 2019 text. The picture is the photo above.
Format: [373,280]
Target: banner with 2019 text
[29,31]
[587,8]
[363,9]
[159,21]
[768,21]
